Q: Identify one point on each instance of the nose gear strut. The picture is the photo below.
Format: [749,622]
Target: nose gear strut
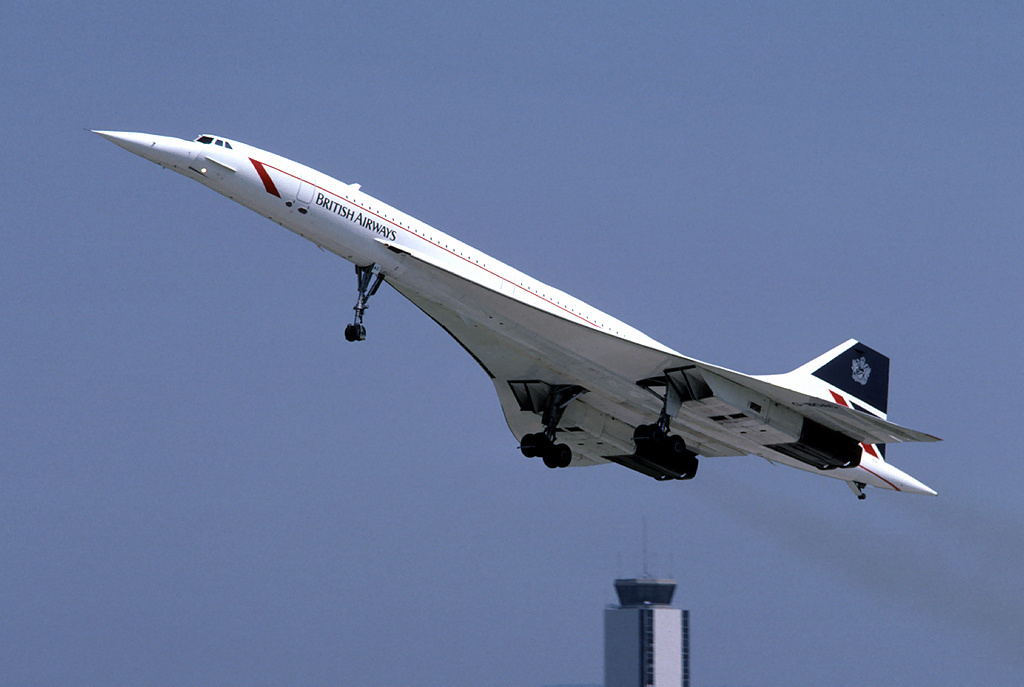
[364,275]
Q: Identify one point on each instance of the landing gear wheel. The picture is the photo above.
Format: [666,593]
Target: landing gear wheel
[648,436]
[558,456]
[533,445]
[355,332]
[675,453]
[564,455]
[675,447]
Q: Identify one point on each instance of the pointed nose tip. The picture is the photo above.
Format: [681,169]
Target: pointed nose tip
[132,142]
[166,151]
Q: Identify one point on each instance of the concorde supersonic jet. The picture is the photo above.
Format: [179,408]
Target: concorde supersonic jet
[577,387]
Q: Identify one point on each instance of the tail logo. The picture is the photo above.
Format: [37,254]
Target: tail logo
[861,371]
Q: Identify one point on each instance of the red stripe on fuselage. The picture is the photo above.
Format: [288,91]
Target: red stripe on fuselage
[870,472]
[268,183]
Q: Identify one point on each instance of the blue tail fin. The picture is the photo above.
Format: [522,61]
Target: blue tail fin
[857,370]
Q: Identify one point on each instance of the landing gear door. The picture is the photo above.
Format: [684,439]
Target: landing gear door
[304,195]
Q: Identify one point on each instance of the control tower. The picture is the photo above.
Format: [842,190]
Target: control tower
[646,641]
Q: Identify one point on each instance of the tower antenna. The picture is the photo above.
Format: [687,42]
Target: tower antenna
[646,573]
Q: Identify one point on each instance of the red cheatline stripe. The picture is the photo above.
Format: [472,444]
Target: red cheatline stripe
[895,488]
[268,183]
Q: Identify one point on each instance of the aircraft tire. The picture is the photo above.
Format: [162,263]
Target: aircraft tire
[564,455]
[355,332]
[533,445]
[675,447]
[647,437]
[558,456]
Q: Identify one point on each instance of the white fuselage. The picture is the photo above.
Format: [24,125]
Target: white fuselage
[342,219]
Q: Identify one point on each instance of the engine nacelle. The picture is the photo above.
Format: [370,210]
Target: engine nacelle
[824,448]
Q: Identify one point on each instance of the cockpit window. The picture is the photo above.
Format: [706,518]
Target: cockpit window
[216,141]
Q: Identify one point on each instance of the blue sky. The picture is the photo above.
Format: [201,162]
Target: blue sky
[202,482]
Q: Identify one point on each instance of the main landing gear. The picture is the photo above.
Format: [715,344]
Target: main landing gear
[667,452]
[368,279]
[551,400]
[658,453]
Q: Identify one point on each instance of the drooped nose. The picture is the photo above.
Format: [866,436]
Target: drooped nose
[166,151]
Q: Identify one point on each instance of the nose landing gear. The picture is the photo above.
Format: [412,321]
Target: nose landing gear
[364,276]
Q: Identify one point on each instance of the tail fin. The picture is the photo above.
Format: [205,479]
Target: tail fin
[854,377]
[860,372]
